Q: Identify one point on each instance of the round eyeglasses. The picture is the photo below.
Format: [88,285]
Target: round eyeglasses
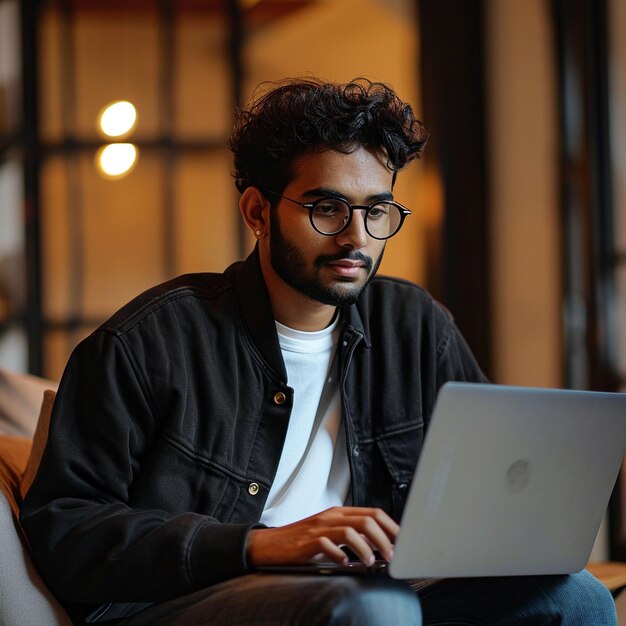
[331,216]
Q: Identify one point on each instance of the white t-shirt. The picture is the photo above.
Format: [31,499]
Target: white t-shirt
[313,473]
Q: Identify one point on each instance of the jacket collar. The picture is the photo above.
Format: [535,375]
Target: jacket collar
[357,323]
[256,311]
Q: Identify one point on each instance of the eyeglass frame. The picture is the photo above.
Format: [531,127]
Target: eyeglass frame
[310,206]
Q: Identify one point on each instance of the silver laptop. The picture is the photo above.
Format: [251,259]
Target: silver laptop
[511,481]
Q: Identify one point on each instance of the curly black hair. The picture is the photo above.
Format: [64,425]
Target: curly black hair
[298,116]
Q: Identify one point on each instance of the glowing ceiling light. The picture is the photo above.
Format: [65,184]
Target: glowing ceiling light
[115,160]
[118,118]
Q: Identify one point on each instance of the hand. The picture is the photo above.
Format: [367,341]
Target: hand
[360,529]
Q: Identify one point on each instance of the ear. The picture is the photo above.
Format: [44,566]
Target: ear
[255,208]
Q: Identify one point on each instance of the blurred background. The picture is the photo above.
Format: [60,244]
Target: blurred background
[519,223]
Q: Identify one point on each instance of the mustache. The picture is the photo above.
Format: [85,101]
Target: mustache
[345,256]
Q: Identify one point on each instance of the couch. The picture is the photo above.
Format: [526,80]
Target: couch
[24,598]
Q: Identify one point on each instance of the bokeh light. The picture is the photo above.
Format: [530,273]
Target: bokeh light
[118,118]
[116,160]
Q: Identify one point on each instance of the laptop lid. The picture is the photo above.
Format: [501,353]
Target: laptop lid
[511,481]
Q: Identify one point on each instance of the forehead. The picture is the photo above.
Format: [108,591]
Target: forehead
[364,171]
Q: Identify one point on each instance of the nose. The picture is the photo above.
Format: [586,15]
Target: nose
[355,236]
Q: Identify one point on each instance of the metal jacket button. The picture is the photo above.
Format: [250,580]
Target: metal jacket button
[253,489]
[279,397]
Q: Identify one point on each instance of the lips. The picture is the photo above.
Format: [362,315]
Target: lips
[347,268]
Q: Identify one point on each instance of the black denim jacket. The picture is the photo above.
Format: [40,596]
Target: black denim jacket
[170,420]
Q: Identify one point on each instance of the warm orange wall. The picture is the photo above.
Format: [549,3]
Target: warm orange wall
[525,271]
[617,78]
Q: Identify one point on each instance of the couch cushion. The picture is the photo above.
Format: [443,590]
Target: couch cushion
[14,452]
[20,399]
[39,441]
[24,599]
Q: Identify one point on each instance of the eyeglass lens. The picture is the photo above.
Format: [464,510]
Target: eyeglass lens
[330,216]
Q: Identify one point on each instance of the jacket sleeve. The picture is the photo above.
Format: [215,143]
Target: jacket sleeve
[90,545]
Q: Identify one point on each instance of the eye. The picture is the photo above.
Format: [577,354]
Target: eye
[329,208]
[378,211]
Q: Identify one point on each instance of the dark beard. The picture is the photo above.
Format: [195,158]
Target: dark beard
[289,263]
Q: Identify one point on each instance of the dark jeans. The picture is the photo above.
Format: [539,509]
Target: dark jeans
[265,599]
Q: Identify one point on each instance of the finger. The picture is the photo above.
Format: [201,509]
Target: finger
[352,539]
[331,550]
[390,527]
[374,535]
[386,554]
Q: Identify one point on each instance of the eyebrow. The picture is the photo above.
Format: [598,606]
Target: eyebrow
[327,192]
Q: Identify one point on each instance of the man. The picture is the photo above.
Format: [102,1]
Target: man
[272,414]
